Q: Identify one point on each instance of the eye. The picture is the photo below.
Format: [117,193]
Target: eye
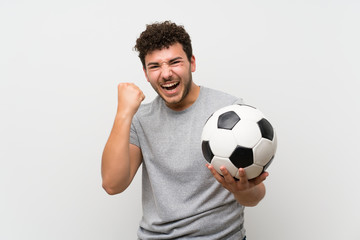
[175,62]
[153,67]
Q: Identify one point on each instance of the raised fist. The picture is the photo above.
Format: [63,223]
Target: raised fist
[129,98]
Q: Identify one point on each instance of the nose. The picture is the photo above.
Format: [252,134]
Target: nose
[166,71]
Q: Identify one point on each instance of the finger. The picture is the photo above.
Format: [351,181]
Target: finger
[217,176]
[242,176]
[260,178]
[227,176]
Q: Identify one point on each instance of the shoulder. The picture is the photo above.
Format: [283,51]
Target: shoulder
[148,109]
[219,96]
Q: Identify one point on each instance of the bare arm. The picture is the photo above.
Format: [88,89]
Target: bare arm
[120,159]
[247,192]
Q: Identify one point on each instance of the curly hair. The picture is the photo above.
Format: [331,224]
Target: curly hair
[162,35]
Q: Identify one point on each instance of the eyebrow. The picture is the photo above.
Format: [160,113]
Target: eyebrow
[171,60]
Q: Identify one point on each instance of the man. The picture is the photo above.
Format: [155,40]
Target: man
[181,197]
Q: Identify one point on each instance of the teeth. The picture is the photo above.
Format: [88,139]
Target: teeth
[169,85]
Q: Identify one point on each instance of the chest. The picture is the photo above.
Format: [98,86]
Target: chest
[173,143]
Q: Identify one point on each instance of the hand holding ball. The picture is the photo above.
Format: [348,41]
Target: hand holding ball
[239,136]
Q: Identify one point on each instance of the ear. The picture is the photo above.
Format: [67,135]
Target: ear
[193,63]
[146,76]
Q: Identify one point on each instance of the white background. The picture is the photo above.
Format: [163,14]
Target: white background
[61,61]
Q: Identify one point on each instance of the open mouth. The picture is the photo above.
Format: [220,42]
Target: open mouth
[170,86]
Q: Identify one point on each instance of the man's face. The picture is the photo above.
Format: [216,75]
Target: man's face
[170,74]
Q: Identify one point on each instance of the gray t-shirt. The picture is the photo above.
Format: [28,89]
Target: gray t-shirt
[181,199]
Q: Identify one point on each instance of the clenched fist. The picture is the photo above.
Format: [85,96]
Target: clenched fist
[129,98]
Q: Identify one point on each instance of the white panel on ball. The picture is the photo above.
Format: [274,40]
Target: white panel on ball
[249,113]
[217,162]
[264,151]
[223,143]
[224,110]
[247,133]
[252,171]
[209,128]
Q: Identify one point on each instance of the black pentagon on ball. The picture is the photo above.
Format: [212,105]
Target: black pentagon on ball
[266,129]
[228,120]
[205,146]
[242,157]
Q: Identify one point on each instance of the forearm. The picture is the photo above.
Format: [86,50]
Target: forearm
[251,197]
[115,166]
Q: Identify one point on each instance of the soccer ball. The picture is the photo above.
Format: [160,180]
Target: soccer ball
[239,136]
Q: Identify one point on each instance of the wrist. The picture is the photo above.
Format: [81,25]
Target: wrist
[124,114]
